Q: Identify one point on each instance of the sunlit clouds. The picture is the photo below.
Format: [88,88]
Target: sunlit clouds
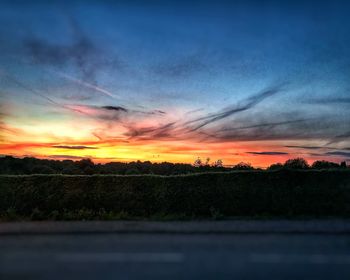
[257,83]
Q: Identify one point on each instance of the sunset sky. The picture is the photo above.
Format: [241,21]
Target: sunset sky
[253,81]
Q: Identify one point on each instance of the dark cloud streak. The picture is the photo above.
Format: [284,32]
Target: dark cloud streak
[154,132]
[115,108]
[246,105]
[339,153]
[305,147]
[335,100]
[339,138]
[271,124]
[267,153]
[74,147]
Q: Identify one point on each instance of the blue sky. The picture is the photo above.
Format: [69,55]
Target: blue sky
[192,60]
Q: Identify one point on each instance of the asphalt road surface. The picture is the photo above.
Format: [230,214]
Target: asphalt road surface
[175,256]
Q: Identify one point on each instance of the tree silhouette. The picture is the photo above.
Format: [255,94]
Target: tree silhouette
[197,162]
[275,166]
[218,163]
[243,166]
[296,163]
[323,164]
[29,165]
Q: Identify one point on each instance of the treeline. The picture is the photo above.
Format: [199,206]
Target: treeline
[28,165]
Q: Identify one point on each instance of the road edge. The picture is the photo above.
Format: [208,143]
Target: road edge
[179,227]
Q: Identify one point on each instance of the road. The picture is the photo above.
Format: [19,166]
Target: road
[175,256]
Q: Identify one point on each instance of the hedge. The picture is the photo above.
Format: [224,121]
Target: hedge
[284,193]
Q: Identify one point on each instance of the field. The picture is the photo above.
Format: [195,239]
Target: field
[239,194]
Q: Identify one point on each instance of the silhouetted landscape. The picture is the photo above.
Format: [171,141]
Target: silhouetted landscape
[68,190]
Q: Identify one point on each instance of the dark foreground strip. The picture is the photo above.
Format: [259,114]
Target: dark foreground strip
[188,227]
[285,193]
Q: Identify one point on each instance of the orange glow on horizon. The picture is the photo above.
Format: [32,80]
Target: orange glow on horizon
[83,137]
[154,151]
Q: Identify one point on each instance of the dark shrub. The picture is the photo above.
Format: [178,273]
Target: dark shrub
[275,166]
[243,166]
[42,169]
[296,163]
[132,171]
[283,193]
[323,164]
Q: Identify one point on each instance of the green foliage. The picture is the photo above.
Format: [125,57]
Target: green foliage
[282,193]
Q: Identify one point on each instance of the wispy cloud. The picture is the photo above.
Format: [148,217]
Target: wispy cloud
[339,138]
[270,124]
[82,52]
[99,112]
[317,147]
[37,93]
[333,100]
[14,80]
[339,153]
[306,147]
[243,106]
[89,85]
[154,132]
[110,113]
[4,127]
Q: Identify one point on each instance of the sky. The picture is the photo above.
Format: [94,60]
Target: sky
[252,81]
